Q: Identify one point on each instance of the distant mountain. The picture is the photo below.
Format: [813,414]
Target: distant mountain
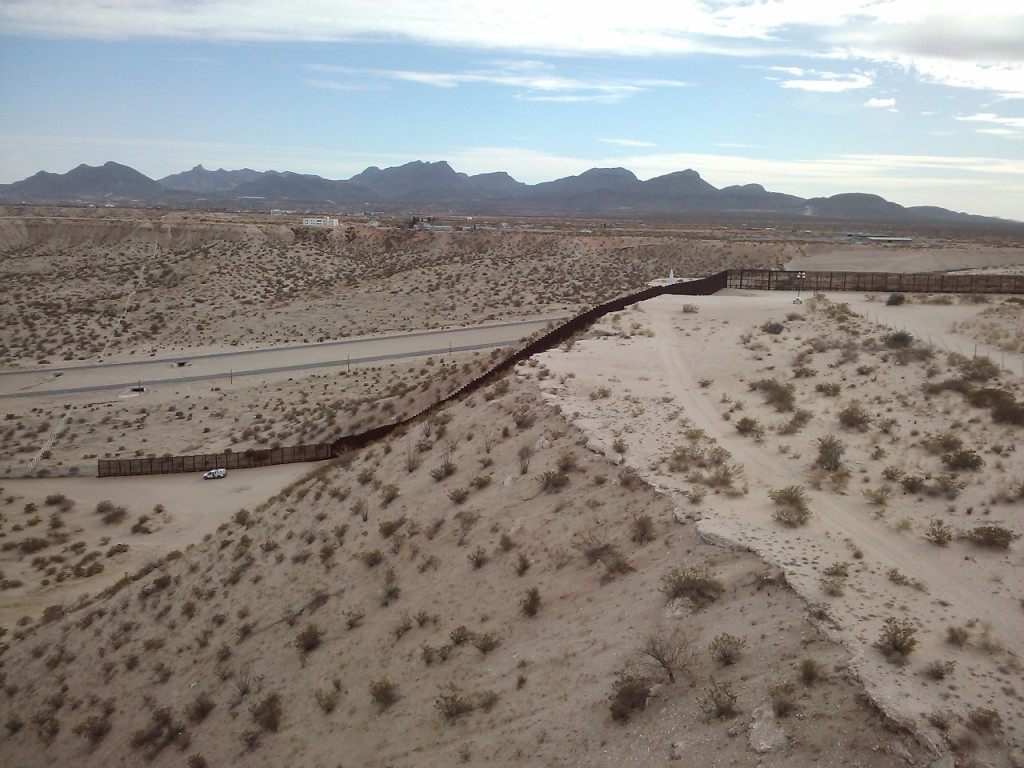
[109,182]
[436,187]
[204,182]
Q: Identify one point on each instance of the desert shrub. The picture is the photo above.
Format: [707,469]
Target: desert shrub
[698,584]
[372,558]
[782,697]
[809,671]
[383,692]
[452,704]
[390,588]
[162,731]
[522,564]
[792,509]
[939,670]
[854,416]
[977,368]
[446,468]
[460,635]
[630,479]
[984,720]
[963,459]
[95,727]
[938,533]
[201,706]
[912,483]
[726,648]
[992,536]
[776,394]
[957,636]
[308,640]
[834,586]
[773,328]
[629,693]
[642,529]
[879,497]
[748,426]
[552,481]
[718,701]
[530,604]
[389,527]
[525,453]
[895,299]
[899,340]
[828,388]
[478,557]
[944,442]
[458,495]
[897,638]
[327,698]
[672,652]
[388,493]
[830,453]
[486,642]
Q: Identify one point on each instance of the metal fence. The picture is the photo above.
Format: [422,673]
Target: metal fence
[753,279]
[165,465]
[882,282]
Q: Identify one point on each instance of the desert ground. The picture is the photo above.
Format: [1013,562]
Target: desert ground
[628,552]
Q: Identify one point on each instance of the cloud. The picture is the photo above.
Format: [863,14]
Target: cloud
[627,142]
[534,81]
[1005,126]
[876,102]
[827,82]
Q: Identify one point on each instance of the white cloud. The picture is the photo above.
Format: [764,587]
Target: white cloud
[876,102]
[627,142]
[829,82]
[1004,126]
[533,81]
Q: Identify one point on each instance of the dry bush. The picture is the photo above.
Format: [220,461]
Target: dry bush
[698,584]
[199,707]
[992,536]
[939,670]
[780,396]
[672,652]
[452,704]
[938,533]
[783,698]
[530,604]
[308,640]
[897,639]
[552,481]
[629,693]
[642,529]
[963,459]
[809,671]
[854,416]
[830,453]
[718,701]
[726,648]
[383,692]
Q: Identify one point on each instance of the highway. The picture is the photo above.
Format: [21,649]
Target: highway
[180,369]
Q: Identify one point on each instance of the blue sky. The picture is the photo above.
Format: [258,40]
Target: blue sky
[921,102]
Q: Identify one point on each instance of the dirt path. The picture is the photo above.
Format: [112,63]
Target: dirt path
[661,369]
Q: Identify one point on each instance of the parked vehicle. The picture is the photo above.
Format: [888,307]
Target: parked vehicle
[214,474]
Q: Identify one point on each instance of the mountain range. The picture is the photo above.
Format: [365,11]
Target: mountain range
[435,187]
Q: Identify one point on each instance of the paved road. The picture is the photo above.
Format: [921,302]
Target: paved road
[45,382]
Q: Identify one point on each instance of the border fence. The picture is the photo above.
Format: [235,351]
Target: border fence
[888,282]
[750,279]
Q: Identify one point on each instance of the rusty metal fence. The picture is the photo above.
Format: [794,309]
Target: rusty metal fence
[870,282]
[753,279]
[165,465]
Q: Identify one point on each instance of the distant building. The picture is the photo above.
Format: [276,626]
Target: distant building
[318,221]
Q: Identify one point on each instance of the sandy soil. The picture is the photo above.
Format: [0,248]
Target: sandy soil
[651,363]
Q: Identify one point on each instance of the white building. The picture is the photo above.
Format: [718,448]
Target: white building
[319,221]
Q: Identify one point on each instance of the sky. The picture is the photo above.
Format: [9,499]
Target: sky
[920,102]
